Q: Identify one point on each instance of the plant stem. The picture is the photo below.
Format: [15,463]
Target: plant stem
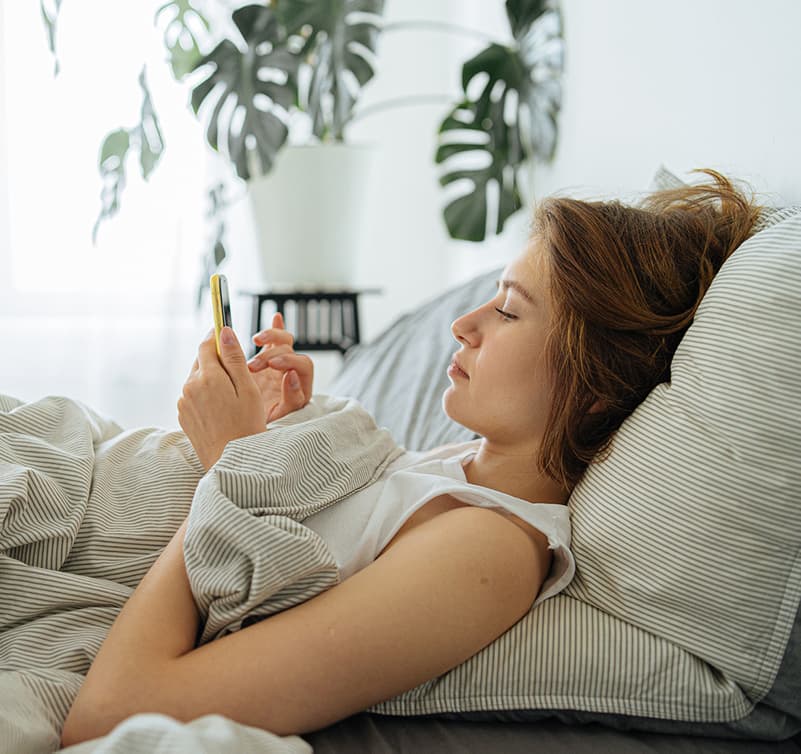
[440,26]
[415,99]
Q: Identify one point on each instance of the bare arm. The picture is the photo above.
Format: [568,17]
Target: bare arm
[438,596]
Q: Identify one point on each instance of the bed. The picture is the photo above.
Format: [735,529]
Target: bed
[636,681]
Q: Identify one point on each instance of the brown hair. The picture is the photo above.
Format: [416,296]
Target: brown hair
[625,284]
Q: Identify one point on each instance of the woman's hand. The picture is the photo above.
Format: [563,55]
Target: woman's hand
[284,377]
[220,400]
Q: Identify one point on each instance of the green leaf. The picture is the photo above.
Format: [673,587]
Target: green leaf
[148,133]
[219,252]
[112,171]
[333,49]
[239,75]
[182,59]
[513,117]
[523,13]
[144,138]
[50,18]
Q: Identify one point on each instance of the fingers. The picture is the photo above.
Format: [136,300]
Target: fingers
[301,364]
[275,335]
[261,359]
[292,397]
[292,393]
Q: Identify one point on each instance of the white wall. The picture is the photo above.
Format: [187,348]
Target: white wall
[691,83]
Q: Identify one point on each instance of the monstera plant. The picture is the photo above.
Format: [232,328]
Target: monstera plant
[314,57]
[514,116]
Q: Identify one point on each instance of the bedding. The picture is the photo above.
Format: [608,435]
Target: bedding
[85,509]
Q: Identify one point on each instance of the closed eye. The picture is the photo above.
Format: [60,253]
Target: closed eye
[506,315]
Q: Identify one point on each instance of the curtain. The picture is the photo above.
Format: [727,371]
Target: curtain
[115,323]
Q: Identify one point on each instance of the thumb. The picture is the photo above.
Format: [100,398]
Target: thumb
[232,355]
[293,381]
[291,392]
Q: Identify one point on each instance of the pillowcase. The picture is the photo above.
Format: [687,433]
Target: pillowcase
[686,537]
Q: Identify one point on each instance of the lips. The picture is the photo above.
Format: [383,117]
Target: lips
[457,367]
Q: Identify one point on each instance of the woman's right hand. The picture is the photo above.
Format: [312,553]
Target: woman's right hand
[284,377]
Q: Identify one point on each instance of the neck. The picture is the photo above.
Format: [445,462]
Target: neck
[514,472]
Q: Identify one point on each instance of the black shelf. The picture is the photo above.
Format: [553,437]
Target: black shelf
[321,320]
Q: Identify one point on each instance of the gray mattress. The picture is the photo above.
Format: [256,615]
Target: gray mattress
[380,734]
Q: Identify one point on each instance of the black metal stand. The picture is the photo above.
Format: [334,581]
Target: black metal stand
[320,320]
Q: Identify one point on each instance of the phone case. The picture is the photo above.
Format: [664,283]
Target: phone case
[220,304]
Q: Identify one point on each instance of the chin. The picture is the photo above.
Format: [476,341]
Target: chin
[450,406]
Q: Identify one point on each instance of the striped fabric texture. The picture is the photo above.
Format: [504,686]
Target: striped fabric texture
[86,508]
[687,538]
[247,555]
[79,528]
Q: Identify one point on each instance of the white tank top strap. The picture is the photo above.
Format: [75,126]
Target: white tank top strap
[359,527]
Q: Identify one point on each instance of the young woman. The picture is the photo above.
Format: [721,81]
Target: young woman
[583,325]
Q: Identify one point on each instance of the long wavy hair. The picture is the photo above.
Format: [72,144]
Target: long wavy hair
[625,284]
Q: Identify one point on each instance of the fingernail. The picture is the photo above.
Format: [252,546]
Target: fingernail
[294,382]
[227,336]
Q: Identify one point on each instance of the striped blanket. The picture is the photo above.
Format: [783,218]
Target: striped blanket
[86,508]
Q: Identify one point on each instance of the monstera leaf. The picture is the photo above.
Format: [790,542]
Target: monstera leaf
[338,47]
[249,78]
[512,120]
[183,58]
[145,138]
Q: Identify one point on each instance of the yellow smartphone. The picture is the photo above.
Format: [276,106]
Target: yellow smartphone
[221,305]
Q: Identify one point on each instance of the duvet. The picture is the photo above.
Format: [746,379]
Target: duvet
[86,508]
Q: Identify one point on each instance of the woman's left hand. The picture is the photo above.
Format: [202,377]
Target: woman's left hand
[220,400]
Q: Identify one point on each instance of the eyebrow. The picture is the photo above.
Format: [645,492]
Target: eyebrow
[514,285]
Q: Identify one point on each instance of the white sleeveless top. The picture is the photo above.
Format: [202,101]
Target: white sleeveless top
[358,527]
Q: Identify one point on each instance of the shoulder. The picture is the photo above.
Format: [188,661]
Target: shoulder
[506,551]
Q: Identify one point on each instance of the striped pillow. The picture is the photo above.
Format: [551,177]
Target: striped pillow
[687,539]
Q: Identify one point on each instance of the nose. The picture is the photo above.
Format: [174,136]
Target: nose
[465,328]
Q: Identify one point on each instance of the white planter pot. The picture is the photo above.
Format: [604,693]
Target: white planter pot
[308,215]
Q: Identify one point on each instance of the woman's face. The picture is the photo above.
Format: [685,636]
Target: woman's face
[500,385]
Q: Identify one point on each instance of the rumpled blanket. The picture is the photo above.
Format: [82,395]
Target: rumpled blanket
[87,507]
[247,555]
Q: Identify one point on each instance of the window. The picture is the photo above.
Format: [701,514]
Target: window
[51,129]
[114,325]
